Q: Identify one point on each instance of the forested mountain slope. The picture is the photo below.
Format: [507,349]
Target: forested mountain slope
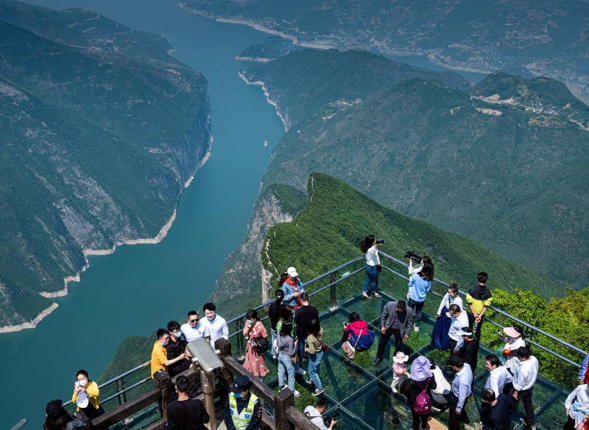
[101,129]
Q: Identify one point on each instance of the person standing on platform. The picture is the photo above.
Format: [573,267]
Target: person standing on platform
[292,287]
[584,371]
[500,380]
[214,324]
[396,320]
[314,349]
[479,299]
[419,285]
[243,410]
[194,329]
[159,355]
[421,379]
[495,411]
[274,312]
[86,396]
[440,339]
[459,321]
[461,392]
[369,246]
[175,347]
[514,341]
[524,379]
[254,360]
[186,413]
[469,348]
[303,317]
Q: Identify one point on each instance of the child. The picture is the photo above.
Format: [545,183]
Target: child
[399,370]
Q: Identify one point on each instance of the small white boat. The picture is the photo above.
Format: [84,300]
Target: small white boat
[19,424]
[265,143]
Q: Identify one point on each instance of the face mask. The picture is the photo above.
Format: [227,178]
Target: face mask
[83,382]
[213,318]
[250,322]
[178,335]
[239,396]
[164,344]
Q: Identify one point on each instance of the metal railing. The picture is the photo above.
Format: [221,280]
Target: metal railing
[334,278]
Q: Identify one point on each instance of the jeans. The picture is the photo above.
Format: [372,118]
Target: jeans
[314,362]
[274,336]
[382,343]
[417,307]
[371,275]
[285,365]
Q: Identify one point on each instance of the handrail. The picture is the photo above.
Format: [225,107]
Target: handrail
[499,311]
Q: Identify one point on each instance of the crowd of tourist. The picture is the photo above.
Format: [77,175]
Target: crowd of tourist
[297,345]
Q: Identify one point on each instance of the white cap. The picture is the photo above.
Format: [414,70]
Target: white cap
[292,272]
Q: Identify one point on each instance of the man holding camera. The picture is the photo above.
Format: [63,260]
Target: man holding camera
[314,413]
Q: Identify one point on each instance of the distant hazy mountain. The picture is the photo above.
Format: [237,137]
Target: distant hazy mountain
[548,37]
[503,163]
[100,131]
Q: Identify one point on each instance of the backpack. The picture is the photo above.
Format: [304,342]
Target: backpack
[363,342]
[423,403]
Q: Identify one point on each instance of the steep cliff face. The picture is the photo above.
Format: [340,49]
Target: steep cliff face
[101,132]
[243,266]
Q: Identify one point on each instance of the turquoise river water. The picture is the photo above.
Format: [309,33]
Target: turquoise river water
[140,288]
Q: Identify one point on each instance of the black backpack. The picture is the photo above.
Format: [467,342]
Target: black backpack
[261,345]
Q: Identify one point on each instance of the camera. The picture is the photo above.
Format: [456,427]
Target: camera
[379,241]
[413,256]
[329,418]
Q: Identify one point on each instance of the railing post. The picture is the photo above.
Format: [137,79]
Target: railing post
[123,390]
[118,391]
[333,292]
[240,339]
[283,400]
[164,384]
[207,383]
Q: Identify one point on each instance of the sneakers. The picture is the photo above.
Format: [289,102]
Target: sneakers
[297,394]
[416,329]
[376,295]
[377,361]
[318,392]
[366,296]
[309,381]
[301,371]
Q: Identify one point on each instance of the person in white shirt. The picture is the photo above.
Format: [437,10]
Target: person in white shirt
[500,380]
[369,247]
[193,329]
[577,406]
[524,379]
[461,392]
[459,321]
[314,413]
[441,393]
[214,324]
[451,298]
[515,340]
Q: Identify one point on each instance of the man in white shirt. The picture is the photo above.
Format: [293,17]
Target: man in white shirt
[524,379]
[500,380]
[459,321]
[314,413]
[193,329]
[461,392]
[214,324]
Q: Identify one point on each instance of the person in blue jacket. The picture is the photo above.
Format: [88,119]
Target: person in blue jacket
[292,287]
[419,285]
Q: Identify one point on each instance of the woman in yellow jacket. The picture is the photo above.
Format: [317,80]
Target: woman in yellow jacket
[86,395]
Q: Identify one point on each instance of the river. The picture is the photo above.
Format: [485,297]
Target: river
[139,288]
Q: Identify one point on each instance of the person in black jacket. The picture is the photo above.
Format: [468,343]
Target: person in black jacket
[274,311]
[186,413]
[421,379]
[176,347]
[495,411]
[469,351]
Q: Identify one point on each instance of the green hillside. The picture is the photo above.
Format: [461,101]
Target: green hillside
[303,82]
[503,163]
[101,129]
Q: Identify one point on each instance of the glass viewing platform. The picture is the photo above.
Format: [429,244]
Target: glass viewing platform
[358,391]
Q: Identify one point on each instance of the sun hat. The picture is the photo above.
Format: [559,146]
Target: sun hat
[292,272]
[512,332]
[400,358]
[241,384]
[420,369]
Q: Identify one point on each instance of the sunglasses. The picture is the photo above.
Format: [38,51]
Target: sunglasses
[193,321]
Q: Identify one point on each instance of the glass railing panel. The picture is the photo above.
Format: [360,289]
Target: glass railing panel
[140,419]
[332,325]
[552,415]
[378,409]
[339,378]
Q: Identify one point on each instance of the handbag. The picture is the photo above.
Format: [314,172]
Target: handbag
[349,349]
[294,359]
